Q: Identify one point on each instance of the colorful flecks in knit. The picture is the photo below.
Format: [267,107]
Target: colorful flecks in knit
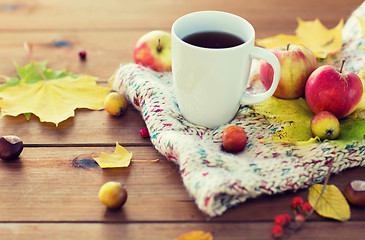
[218,180]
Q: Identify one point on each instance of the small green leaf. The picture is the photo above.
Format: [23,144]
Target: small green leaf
[9,83]
[352,129]
[30,74]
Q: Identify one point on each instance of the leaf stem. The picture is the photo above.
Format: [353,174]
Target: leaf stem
[28,50]
[323,189]
[152,161]
[38,70]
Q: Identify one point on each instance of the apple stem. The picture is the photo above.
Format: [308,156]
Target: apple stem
[287,46]
[343,62]
[159,46]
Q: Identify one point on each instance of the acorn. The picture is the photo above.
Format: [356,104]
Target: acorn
[355,192]
[10,147]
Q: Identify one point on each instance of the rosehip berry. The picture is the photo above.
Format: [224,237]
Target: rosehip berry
[281,219]
[115,104]
[82,55]
[300,218]
[113,195]
[234,139]
[306,207]
[287,217]
[144,132]
[277,231]
[297,201]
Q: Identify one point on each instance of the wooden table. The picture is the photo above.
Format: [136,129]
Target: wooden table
[46,194]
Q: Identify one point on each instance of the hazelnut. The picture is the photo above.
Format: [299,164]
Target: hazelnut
[355,192]
[10,147]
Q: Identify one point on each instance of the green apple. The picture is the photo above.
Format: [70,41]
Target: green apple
[325,125]
[153,50]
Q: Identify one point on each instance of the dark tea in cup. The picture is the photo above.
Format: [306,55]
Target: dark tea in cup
[213,39]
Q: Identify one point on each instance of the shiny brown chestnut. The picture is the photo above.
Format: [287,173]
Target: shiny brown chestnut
[10,147]
[355,192]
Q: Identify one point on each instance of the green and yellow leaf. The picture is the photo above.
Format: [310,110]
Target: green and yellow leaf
[120,158]
[53,101]
[331,204]
[294,117]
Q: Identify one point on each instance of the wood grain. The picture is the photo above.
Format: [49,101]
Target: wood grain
[50,192]
[51,184]
[164,231]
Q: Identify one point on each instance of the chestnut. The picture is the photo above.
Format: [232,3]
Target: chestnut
[355,192]
[10,147]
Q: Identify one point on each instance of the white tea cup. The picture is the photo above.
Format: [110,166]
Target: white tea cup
[210,83]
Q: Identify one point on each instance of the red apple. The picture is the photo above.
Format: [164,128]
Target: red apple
[153,50]
[338,92]
[325,125]
[296,63]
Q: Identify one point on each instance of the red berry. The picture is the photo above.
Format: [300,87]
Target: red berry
[281,219]
[300,218]
[306,207]
[287,217]
[297,201]
[144,132]
[82,55]
[277,231]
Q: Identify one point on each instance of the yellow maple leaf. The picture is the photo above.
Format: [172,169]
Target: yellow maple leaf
[311,34]
[120,158]
[196,235]
[332,203]
[53,100]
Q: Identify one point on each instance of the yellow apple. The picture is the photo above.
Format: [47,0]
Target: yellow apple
[296,64]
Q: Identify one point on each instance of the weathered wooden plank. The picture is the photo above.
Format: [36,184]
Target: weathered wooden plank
[28,15]
[87,127]
[105,51]
[45,184]
[169,231]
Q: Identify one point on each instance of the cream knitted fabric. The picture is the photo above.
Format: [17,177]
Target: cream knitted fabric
[218,180]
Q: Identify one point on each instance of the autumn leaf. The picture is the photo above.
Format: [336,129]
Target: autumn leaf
[295,119]
[312,34]
[196,235]
[331,204]
[120,158]
[52,100]
[30,74]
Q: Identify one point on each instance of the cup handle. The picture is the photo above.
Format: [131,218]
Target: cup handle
[261,53]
